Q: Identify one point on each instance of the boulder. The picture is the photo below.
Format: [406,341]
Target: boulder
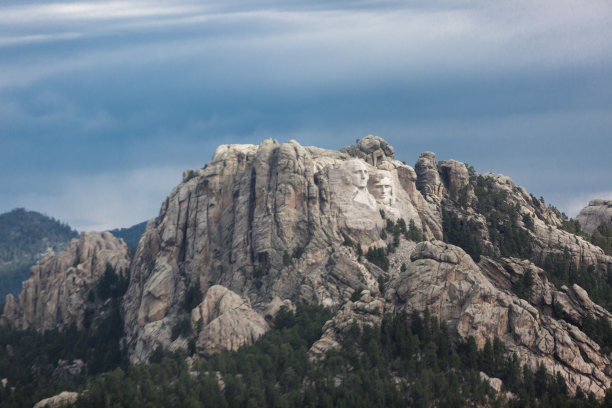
[63,399]
[476,300]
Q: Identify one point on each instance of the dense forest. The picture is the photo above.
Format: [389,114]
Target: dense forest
[405,361]
[38,365]
[24,236]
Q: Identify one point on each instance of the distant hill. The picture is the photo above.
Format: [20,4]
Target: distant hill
[130,235]
[24,236]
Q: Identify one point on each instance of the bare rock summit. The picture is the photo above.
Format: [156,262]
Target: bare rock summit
[599,211]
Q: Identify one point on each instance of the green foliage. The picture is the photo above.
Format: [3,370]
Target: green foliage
[287,258]
[131,236]
[182,328]
[562,270]
[382,281]
[456,232]
[528,222]
[413,233]
[12,274]
[378,256]
[298,252]
[599,330]
[28,359]
[193,297]
[112,284]
[259,272]
[462,195]
[523,286]
[268,373]
[471,171]
[602,237]
[572,226]
[399,229]
[347,241]
[502,220]
[356,295]
[25,235]
[406,361]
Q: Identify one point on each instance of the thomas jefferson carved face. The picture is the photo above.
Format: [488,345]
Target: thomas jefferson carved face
[383,191]
[357,172]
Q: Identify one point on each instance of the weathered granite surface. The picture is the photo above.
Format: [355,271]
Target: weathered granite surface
[59,285]
[598,211]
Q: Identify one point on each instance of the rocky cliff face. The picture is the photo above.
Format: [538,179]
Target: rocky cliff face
[261,227]
[477,300]
[268,222]
[59,286]
[598,211]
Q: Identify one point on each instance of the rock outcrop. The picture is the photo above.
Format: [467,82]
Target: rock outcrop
[429,182]
[371,149]
[598,211]
[453,174]
[261,226]
[63,399]
[367,311]
[476,300]
[227,321]
[59,286]
[269,222]
[546,232]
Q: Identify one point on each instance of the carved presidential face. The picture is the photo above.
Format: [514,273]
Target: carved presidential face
[357,172]
[383,191]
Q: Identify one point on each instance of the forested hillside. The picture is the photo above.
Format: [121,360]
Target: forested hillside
[24,236]
[406,361]
[130,235]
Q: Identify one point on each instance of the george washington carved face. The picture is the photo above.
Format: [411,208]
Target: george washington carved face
[357,172]
[355,175]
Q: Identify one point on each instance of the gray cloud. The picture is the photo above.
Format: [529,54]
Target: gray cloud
[105,200]
[513,87]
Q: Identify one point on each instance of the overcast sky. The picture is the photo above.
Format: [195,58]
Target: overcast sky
[104,104]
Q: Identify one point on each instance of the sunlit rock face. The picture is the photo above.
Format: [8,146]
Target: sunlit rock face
[60,286]
[269,222]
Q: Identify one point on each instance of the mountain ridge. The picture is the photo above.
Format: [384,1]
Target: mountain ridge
[264,227]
